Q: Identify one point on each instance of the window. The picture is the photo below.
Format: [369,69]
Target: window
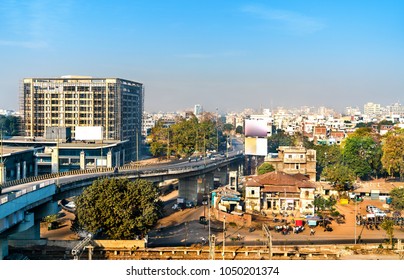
[297,166]
[252,192]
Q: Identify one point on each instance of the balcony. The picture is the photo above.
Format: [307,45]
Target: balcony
[294,160]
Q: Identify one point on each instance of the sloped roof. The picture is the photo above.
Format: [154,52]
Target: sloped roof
[275,180]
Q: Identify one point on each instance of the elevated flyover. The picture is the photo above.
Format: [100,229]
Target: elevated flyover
[22,206]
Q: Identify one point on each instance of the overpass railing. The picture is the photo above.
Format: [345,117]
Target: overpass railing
[13,195]
[123,171]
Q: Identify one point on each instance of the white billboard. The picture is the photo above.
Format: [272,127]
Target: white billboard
[256,146]
[88,133]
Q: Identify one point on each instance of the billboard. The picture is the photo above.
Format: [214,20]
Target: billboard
[256,146]
[88,133]
[255,128]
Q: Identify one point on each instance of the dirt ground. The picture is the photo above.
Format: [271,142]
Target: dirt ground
[174,218]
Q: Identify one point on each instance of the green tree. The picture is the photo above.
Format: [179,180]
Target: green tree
[397,198]
[321,204]
[280,138]
[362,153]
[9,125]
[239,129]
[326,155]
[388,226]
[265,168]
[227,128]
[393,153]
[118,208]
[185,137]
[340,176]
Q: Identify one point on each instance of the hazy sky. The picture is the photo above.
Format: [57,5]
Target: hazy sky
[228,55]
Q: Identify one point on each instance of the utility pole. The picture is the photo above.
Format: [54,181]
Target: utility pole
[355,219]
[57,148]
[224,235]
[137,149]
[168,144]
[217,131]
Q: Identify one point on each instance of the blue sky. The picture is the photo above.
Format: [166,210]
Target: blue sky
[228,55]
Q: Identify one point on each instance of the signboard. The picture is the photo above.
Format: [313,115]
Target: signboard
[88,133]
[255,128]
[256,146]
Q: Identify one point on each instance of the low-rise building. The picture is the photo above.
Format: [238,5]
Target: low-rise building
[294,160]
[278,192]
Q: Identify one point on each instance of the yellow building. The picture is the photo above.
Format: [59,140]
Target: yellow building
[294,160]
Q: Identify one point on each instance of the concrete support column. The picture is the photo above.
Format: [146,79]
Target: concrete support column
[36,167]
[221,174]
[82,160]
[117,159]
[3,173]
[18,173]
[109,159]
[187,188]
[55,160]
[24,169]
[3,248]
[28,229]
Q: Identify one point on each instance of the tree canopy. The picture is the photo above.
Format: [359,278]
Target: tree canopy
[9,125]
[393,153]
[265,168]
[397,198]
[362,153]
[118,208]
[341,176]
[185,137]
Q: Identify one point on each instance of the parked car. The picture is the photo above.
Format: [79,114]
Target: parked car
[189,204]
[178,206]
[370,208]
[379,213]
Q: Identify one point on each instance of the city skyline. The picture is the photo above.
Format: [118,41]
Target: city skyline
[226,55]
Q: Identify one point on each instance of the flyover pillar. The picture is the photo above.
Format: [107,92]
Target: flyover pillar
[194,188]
[82,160]
[55,160]
[221,176]
[109,159]
[18,168]
[3,248]
[2,173]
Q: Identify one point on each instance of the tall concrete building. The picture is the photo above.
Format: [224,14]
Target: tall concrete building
[114,104]
[372,109]
[198,110]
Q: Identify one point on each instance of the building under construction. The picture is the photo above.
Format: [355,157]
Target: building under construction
[115,105]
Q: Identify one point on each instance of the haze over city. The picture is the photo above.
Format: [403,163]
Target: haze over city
[221,54]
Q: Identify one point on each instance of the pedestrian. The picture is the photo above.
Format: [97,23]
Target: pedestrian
[312,231]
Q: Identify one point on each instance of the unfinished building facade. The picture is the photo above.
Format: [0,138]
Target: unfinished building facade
[114,104]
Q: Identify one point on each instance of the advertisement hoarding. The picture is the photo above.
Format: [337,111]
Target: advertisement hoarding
[255,128]
[88,133]
[256,146]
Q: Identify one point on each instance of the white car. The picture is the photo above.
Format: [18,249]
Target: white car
[379,213]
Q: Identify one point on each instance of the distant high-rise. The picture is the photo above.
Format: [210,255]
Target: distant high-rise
[371,109]
[198,110]
[112,103]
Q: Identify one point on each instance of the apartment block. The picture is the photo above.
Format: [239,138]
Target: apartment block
[114,104]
